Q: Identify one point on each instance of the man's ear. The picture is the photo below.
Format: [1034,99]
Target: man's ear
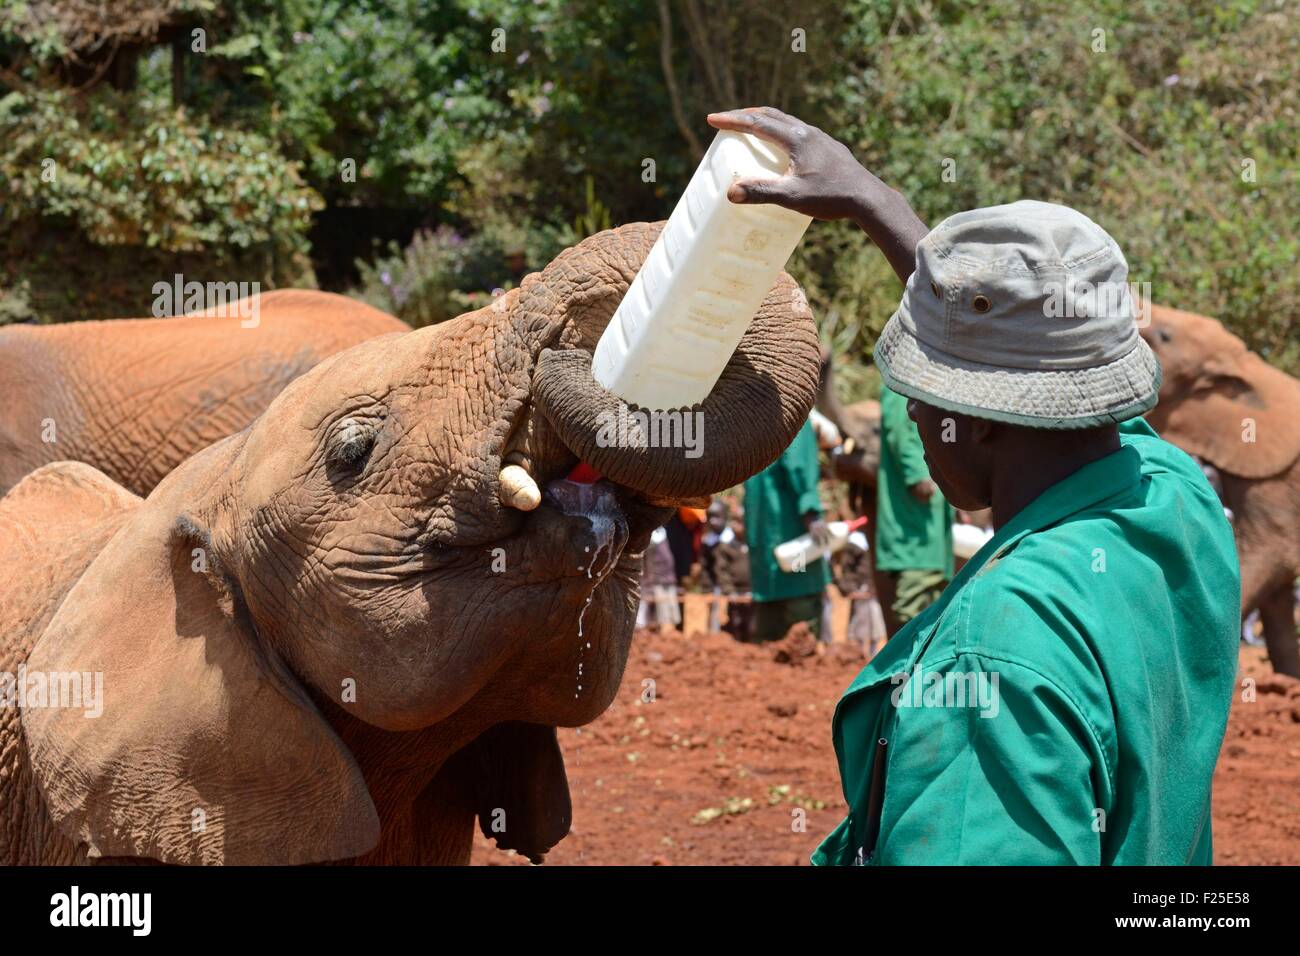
[981,430]
[206,749]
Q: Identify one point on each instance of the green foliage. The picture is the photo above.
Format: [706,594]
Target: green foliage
[441,274]
[594,104]
[113,172]
[15,303]
[853,292]
[1146,137]
[418,284]
[595,218]
[132,172]
[413,90]
[522,150]
[397,86]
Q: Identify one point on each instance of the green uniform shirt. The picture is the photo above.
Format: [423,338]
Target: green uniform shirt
[776,499]
[910,534]
[1107,610]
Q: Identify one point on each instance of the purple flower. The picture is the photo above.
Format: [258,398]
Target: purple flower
[386,278]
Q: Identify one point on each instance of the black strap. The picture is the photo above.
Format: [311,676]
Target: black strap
[875,800]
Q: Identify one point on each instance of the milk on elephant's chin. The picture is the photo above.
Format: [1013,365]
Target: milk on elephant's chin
[587,636]
[550,631]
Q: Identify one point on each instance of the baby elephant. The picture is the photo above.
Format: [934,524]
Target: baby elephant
[352,628]
[136,397]
[1225,404]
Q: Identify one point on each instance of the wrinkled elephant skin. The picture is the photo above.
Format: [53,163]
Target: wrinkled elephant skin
[136,397]
[342,634]
[1226,405]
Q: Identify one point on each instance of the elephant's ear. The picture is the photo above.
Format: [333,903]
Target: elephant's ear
[1242,416]
[521,793]
[203,750]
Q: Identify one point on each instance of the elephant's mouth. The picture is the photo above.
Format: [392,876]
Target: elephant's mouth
[606,533]
[618,522]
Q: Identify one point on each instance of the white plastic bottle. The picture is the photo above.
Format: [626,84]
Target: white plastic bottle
[802,551]
[702,283]
[967,539]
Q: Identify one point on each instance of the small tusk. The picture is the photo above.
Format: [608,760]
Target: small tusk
[518,490]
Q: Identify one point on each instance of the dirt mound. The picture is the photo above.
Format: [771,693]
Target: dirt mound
[712,753]
[798,644]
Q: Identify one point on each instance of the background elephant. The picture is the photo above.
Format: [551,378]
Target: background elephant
[858,460]
[1226,405]
[136,397]
[856,463]
[346,631]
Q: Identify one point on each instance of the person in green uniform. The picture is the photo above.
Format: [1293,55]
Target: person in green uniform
[913,520]
[781,503]
[1065,699]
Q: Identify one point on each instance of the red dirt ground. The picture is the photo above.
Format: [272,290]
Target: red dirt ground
[735,751]
[1257,783]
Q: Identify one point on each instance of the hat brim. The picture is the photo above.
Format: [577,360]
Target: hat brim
[1058,399]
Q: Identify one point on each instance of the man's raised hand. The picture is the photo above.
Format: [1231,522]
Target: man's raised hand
[824,180]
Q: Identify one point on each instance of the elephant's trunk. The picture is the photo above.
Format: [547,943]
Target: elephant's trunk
[758,405]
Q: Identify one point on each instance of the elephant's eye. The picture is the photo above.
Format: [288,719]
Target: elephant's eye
[350,445]
[1163,335]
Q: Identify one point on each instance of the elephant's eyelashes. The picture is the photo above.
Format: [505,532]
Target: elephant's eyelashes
[350,445]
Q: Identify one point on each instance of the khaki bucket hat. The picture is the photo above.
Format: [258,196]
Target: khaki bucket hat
[1021,313]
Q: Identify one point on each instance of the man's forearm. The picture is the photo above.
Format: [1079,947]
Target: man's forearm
[887,217]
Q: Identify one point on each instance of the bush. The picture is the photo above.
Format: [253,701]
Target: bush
[132,172]
[1147,136]
[113,173]
[15,303]
[417,284]
[441,274]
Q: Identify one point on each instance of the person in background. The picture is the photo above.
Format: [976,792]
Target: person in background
[781,503]
[724,570]
[853,578]
[913,521]
[828,433]
[684,529]
[659,609]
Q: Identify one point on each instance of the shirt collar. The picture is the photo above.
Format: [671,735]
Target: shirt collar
[1091,484]
[1077,492]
